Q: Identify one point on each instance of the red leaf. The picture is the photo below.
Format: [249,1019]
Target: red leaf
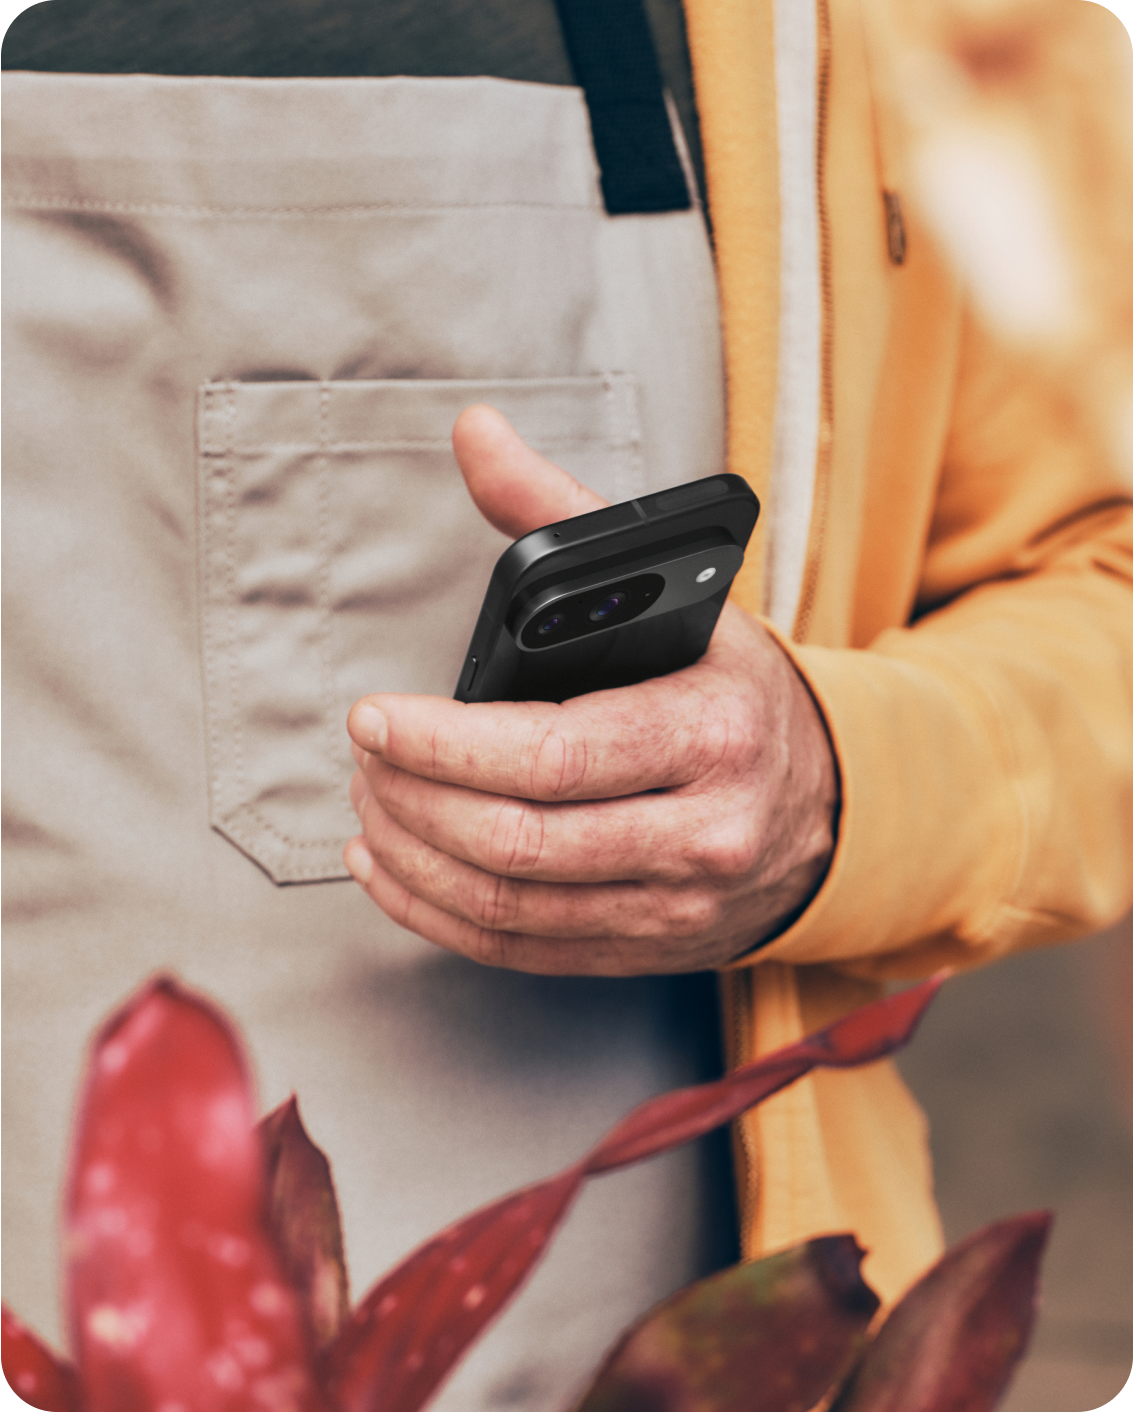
[33,1371]
[303,1217]
[411,1328]
[174,1290]
[409,1331]
[770,1336]
[861,1037]
[952,1343]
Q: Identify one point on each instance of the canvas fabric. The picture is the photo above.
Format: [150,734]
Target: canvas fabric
[241,317]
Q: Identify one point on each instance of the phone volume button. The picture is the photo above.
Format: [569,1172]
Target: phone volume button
[469,675]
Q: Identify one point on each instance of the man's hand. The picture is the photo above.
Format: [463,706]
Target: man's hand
[668,826]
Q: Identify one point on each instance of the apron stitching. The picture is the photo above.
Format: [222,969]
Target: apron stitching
[230,562]
[248,811]
[323,582]
[615,442]
[208,512]
[68,203]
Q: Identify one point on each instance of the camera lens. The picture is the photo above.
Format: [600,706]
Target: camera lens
[606,607]
[552,623]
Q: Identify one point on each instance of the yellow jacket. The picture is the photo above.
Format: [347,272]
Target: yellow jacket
[966,626]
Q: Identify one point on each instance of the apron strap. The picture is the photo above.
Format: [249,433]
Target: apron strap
[611,50]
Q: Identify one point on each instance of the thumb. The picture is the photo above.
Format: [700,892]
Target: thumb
[514,488]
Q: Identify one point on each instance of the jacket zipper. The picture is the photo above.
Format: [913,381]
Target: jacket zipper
[805,611]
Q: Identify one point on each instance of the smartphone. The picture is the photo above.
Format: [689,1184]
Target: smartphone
[612,597]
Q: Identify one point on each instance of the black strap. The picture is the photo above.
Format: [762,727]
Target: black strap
[611,50]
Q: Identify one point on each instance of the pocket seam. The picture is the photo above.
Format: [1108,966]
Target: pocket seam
[299,448]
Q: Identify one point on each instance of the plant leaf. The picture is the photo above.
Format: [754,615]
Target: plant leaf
[303,1217]
[769,1336]
[953,1341]
[866,1034]
[35,1373]
[405,1336]
[175,1293]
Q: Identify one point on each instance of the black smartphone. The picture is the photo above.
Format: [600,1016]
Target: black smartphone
[610,598]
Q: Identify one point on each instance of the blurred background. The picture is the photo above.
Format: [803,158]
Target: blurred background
[1026,1072]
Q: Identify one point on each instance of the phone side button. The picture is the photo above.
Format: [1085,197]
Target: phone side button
[469,676]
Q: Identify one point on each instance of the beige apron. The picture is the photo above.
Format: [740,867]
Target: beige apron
[240,318]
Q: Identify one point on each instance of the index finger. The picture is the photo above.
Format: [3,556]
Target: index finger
[600,746]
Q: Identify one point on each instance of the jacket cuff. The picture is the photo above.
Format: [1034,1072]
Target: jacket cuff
[931,829]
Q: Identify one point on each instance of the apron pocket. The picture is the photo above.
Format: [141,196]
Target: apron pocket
[340,554]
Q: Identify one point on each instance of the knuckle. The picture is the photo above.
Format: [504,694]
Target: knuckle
[690,912]
[726,853]
[558,764]
[514,838]
[723,736]
[496,905]
[714,740]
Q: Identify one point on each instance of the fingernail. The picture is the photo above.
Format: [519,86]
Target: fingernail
[358,860]
[370,728]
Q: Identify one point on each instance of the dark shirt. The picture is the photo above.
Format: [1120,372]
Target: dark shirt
[516,39]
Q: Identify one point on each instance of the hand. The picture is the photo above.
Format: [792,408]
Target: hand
[668,826]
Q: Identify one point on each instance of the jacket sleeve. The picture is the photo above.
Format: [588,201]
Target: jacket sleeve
[986,749]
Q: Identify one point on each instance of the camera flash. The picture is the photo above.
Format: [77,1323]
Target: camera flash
[704,575]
